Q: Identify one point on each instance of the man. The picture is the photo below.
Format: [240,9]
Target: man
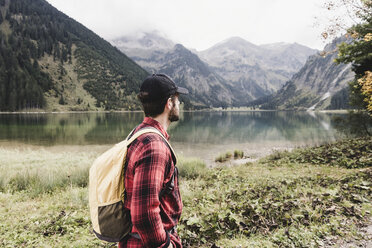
[150,169]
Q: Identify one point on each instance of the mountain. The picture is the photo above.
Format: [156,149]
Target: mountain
[286,56]
[146,48]
[158,54]
[207,89]
[319,84]
[238,70]
[50,61]
[256,70]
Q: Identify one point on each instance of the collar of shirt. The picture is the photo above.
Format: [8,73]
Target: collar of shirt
[151,122]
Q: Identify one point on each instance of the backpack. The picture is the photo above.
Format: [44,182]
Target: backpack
[110,220]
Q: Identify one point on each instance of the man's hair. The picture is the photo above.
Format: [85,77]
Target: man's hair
[153,108]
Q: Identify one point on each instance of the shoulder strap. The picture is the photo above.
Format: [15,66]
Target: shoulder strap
[131,137]
[150,130]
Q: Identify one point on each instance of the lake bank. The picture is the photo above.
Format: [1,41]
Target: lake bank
[208,154]
[41,111]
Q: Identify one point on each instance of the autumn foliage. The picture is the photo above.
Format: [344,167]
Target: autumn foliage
[366,84]
[359,53]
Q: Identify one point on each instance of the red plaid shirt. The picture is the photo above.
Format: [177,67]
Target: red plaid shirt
[149,167]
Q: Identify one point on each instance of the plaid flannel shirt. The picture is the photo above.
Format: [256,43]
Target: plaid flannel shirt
[149,167]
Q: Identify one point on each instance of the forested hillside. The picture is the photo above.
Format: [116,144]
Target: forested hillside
[50,61]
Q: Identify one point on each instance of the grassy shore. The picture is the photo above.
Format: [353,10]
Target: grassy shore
[304,198]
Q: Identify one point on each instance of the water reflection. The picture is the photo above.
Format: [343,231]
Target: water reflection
[241,127]
[212,128]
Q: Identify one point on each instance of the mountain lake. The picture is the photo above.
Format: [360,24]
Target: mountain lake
[203,135]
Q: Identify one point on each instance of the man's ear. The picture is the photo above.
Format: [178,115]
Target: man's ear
[169,104]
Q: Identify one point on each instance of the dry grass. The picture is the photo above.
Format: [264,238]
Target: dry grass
[41,171]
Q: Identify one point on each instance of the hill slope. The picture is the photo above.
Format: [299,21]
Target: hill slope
[50,61]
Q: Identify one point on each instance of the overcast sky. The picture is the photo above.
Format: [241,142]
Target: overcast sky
[200,24]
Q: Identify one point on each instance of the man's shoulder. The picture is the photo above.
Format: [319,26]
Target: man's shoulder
[152,139]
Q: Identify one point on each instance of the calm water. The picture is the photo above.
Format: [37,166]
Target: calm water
[200,134]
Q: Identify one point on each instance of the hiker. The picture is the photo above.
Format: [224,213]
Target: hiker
[151,181]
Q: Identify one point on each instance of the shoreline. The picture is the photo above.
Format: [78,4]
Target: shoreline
[252,153]
[339,111]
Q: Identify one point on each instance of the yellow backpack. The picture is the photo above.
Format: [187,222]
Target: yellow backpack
[110,221]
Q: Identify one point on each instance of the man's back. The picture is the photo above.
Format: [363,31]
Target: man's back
[149,167]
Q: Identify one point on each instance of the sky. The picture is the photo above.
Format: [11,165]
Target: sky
[200,24]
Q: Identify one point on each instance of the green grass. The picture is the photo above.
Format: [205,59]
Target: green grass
[229,155]
[348,153]
[281,201]
[255,200]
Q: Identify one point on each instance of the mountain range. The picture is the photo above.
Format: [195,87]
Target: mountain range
[271,76]
[49,61]
[231,73]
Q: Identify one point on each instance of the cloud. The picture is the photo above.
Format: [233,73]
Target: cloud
[201,23]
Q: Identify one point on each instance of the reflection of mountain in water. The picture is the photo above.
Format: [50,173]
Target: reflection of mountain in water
[242,127]
[193,128]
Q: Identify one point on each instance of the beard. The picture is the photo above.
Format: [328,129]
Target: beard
[173,116]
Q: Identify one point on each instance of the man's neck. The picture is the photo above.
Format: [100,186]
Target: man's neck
[163,120]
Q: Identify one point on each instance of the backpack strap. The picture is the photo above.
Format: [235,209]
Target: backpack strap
[131,133]
[132,137]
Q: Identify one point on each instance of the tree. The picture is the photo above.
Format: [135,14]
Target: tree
[359,51]
[365,83]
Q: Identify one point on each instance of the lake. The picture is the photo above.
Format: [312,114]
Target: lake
[197,134]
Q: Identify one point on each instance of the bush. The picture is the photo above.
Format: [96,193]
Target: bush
[224,157]
[238,154]
[221,158]
[228,155]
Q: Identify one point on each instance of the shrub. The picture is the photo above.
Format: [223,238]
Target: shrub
[224,157]
[238,154]
[221,158]
[228,155]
